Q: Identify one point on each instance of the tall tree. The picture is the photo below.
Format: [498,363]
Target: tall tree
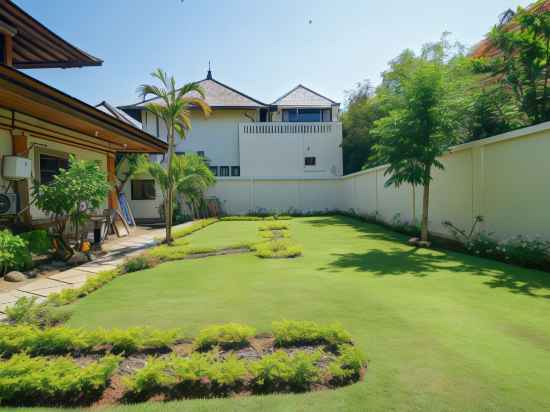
[423,122]
[519,60]
[173,106]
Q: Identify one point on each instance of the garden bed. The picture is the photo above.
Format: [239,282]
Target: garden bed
[90,369]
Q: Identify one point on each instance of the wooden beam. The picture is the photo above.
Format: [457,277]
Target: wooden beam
[7,58]
[20,148]
[111,173]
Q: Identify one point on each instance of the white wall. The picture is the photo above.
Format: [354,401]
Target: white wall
[280,153]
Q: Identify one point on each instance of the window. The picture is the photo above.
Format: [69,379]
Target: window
[224,170]
[201,153]
[2,49]
[214,170]
[143,190]
[310,161]
[235,170]
[180,153]
[306,115]
[50,164]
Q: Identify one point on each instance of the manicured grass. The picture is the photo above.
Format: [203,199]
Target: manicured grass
[442,331]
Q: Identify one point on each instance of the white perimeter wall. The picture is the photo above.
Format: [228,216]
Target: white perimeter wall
[506,179]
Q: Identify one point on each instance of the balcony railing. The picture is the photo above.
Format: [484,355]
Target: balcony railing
[289,128]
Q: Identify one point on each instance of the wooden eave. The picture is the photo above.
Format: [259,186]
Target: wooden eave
[23,94]
[35,46]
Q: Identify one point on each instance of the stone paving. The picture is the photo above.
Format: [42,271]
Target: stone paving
[117,251]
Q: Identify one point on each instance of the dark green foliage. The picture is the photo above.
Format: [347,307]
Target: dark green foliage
[25,380]
[39,241]
[230,335]
[347,365]
[291,333]
[14,253]
[522,66]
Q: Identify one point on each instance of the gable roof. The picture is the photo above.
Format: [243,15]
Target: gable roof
[35,46]
[301,96]
[217,95]
[117,113]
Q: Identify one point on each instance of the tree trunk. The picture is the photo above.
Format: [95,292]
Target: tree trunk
[425,206]
[169,191]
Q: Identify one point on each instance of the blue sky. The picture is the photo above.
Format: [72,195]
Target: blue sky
[261,48]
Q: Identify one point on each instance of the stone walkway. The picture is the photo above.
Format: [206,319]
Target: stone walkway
[117,251]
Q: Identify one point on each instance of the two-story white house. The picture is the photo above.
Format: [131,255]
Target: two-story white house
[298,136]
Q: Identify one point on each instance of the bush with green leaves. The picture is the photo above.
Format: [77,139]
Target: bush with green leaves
[273,226]
[68,296]
[275,234]
[278,248]
[31,312]
[279,370]
[14,253]
[230,335]
[37,380]
[62,340]
[84,182]
[39,241]
[139,262]
[347,365]
[292,332]
[166,374]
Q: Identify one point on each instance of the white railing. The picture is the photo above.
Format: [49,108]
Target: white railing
[288,128]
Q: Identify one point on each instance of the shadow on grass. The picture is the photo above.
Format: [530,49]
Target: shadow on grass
[406,260]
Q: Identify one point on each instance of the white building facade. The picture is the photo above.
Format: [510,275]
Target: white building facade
[296,136]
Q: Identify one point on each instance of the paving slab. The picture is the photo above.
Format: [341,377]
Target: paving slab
[94,268]
[43,283]
[58,288]
[3,317]
[72,276]
[12,296]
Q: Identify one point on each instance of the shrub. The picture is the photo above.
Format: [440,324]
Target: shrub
[140,262]
[525,251]
[39,241]
[152,378]
[347,365]
[14,253]
[278,248]
[241,218]
[289,333]
[280,369]
[30,311]
[231,335]
[62,340]
[274,226]
[68,296]
[275,234]
[27,380]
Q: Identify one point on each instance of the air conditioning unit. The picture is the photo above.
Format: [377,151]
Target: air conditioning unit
[16,168]
[8,203]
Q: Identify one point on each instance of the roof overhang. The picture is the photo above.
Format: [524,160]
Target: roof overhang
[26,95]
[35,46]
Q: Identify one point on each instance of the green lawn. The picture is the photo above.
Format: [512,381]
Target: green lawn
[442,331]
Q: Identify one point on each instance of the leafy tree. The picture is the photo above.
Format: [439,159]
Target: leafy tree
[73,193]
[173,106]
[521,65]
[427,104]
[190,175]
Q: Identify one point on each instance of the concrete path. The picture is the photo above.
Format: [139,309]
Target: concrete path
[117,251]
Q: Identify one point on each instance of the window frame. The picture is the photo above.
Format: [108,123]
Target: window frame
[133,193]
[214,170]
[41,151]
[224,168]
[235,168]
[306,158]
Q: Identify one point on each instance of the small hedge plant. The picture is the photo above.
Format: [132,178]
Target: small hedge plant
[347,366]
[28,311]
[39,380]
[254,218]
[39,241]
[14,253]
[273,226]
[61,340]
[140,262]
[196,225]
[278,248]
[231,335]
[292,333]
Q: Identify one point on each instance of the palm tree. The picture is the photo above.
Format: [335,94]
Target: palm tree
[174,108]
[191,177]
